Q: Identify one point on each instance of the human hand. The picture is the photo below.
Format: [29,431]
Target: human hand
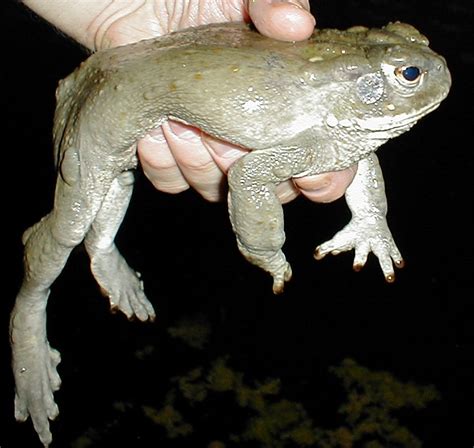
[176,156]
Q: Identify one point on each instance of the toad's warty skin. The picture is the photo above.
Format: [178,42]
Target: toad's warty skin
[302,108]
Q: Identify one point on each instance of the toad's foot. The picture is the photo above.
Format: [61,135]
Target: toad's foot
[36,380]
[280,278]
[274,262]
[121,284]
[364,237]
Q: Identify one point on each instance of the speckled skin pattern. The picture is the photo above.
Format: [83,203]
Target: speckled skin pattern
[302,108]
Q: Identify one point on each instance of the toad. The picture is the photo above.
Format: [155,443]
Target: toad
[301,108]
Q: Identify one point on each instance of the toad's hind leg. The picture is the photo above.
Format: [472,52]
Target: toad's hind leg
[47,247]
[117,280]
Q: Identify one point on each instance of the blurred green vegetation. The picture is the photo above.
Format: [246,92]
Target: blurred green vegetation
[257,414]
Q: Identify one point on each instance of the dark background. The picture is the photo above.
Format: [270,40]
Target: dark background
[420,328]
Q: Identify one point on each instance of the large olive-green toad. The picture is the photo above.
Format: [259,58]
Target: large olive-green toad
[302,108]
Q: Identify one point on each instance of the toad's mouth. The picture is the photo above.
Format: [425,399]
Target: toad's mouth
[396,125]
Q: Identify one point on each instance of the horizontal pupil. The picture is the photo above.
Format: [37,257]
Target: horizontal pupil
[411,73]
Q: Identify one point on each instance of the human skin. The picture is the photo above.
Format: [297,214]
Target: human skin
[175,156]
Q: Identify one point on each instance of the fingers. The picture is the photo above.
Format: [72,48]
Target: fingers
[225,154]
[53,375]
[177,156]
[286,191]
[194,160]
[341,242]
[326,187]
[284,20]
[159,164]
[174,158]
[41,425]
[21,409]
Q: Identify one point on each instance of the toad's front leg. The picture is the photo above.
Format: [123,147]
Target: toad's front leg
[256,213]
[368,229]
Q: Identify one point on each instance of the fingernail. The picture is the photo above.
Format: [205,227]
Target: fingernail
[222,149]
[290,2]
[181,130]
[305,183]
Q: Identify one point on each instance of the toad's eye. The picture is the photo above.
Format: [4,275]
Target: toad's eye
[409,74]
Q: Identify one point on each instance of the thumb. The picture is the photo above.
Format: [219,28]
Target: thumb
[288,20]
